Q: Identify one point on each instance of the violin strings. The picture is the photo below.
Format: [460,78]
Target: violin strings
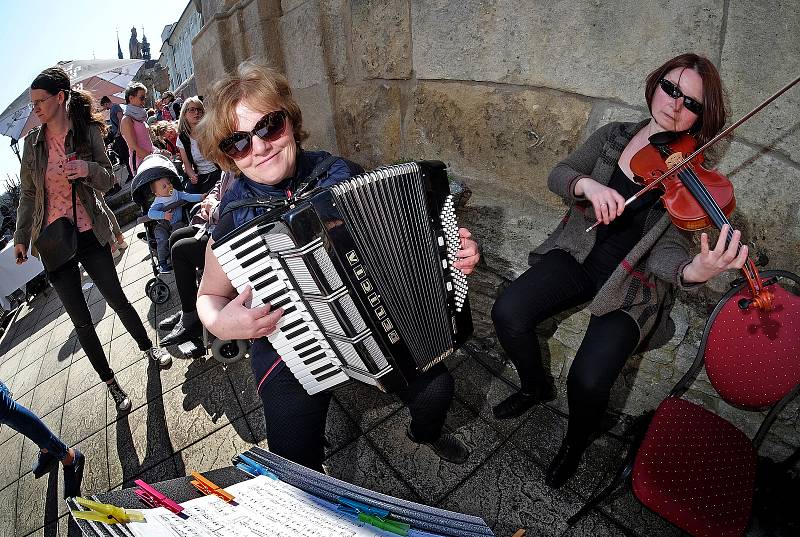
[699,190]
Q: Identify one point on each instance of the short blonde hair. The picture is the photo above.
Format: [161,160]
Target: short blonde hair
[263,89]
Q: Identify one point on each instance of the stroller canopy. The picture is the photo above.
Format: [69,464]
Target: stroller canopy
[153,167]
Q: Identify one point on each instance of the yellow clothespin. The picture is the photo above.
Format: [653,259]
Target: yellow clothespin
[208,487]
[107,513]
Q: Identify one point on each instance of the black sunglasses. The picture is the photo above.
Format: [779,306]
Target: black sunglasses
[269,128]
[671,89]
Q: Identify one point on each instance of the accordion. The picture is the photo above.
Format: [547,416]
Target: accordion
[363,272]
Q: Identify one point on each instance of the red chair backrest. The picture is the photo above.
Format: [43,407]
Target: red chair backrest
[753,357]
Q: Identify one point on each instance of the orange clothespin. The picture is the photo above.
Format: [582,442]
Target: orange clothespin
[208,487]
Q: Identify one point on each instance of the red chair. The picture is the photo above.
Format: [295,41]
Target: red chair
[692,467]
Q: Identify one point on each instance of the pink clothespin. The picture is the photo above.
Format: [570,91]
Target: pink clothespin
[152,498]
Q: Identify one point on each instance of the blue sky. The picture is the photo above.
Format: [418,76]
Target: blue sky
[38,33]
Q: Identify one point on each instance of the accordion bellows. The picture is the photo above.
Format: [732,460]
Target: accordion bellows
[363,271]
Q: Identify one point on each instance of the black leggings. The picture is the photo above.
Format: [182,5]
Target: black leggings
[296,421]
[188,255]
[555,284]
[66,280]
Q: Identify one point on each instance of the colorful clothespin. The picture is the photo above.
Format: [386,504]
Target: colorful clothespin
[206,486]
[106,513]
[374,516]
[248,465]
[153,498]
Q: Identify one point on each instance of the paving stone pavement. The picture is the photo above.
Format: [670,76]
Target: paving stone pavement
[198,414]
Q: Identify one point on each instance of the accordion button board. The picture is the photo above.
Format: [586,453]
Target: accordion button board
[364,273]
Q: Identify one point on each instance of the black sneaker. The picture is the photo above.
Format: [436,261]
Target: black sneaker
[518,403]
[44,464]
[181,333]
[564,464]
[170,322]
[448,446]
[73,475]
[119,396]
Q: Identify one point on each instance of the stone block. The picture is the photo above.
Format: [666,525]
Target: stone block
[8,515]
[368,123]
[217,450]
[500,139]
[318,117]
[381,38]
[572,46]
[430,476]
[604,112]
[765,180]
[335,24]
[509,493]
[365,405]
[301,39]
[761,54]
[50,394]
[138,441]
[84,415]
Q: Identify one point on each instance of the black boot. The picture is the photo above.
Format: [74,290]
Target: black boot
[565,463]
[518,403]
[448,446]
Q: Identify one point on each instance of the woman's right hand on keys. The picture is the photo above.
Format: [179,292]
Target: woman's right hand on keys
[239,321]
[607,202]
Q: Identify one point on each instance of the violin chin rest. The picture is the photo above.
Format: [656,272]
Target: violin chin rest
[663,138]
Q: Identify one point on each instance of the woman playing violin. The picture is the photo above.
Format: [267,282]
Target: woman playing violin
[626,269]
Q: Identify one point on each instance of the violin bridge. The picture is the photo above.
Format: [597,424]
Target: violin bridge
[674,159]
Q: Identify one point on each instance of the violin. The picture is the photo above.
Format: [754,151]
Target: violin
[695,197]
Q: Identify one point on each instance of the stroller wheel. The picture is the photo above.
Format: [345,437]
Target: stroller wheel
[158,292]
[228,351]
[149,285]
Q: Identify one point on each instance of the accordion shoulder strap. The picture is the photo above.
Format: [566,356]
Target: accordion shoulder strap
[309,182]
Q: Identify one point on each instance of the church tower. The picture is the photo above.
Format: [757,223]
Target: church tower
[145,47]
[119,48]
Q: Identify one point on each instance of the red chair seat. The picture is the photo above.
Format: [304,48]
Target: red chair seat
[696,470]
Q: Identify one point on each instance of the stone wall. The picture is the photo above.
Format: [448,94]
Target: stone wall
[502,90]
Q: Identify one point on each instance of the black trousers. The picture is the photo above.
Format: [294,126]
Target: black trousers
[98,263]
[555,284]
[296,421]
[120,147]
[205,182]
[188,255]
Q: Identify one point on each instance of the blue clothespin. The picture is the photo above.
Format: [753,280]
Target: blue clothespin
[353,507]
[248,465]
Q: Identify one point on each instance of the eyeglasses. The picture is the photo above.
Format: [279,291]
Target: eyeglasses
[198,110]
[38,102]
[690,103]
[269,128]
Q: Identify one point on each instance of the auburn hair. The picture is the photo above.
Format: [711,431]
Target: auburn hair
[263,89]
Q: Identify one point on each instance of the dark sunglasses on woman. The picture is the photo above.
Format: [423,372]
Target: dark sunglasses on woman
[269,128]
[671,89]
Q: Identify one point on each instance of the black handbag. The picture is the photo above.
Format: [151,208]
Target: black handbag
[57,243]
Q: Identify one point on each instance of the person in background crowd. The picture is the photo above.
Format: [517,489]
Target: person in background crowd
[52,449]
[133,127]
[165,136]
[203,174]
[152,117]
[255,127]
[167,98]
[46,181]
[115,113]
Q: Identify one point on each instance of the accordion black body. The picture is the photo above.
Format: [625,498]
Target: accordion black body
[363,272]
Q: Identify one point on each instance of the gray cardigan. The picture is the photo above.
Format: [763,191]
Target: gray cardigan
[643,284]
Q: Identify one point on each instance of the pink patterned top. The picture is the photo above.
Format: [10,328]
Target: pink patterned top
[142,134]
[57,190]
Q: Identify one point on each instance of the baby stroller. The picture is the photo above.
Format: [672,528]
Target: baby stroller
[156,289]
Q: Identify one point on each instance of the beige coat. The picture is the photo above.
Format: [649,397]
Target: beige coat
[30,214]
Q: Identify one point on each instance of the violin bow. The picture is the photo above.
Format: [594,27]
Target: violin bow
[702,148]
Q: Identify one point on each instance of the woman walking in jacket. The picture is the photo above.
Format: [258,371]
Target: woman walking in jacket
[626,268]
[70,127]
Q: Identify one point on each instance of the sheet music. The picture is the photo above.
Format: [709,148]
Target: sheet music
[263,507]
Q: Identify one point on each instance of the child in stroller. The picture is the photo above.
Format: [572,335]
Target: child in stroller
[153,168]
